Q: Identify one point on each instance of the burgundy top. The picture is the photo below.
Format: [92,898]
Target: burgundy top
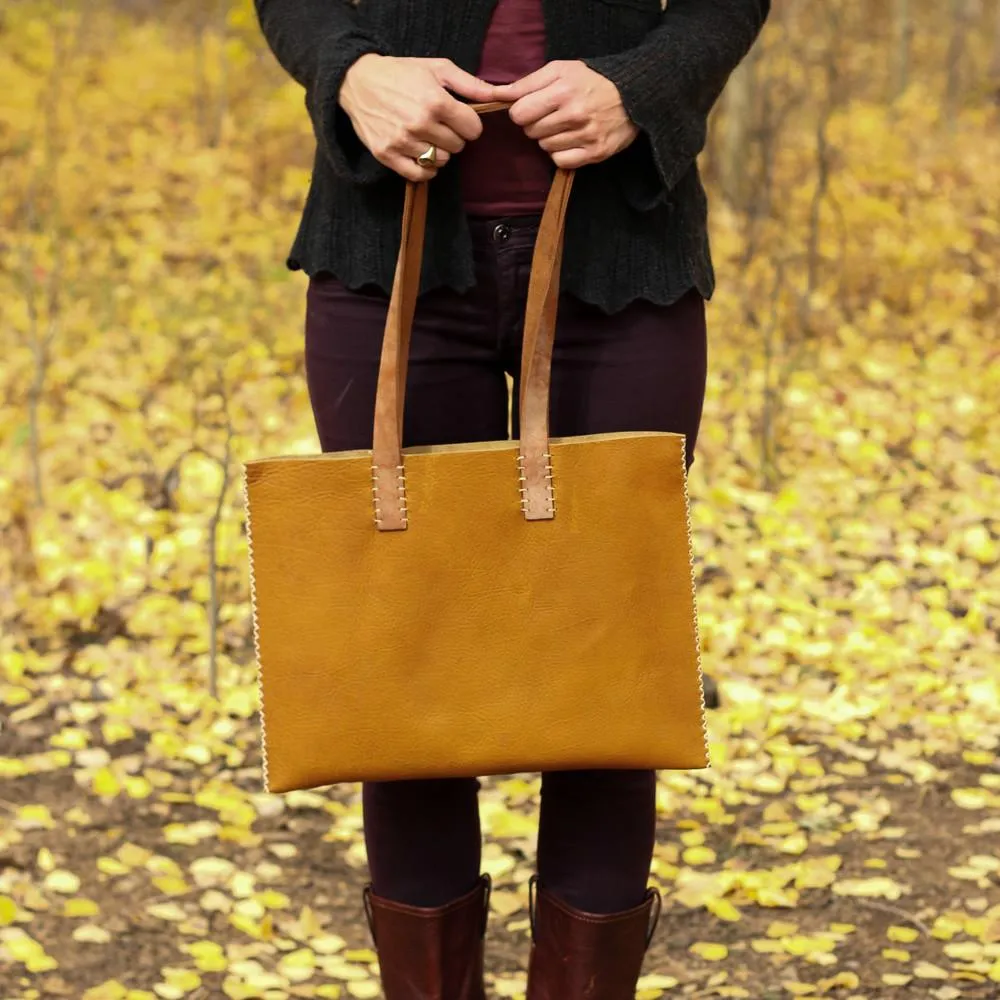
[503,171]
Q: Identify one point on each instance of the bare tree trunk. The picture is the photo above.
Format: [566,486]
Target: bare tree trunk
[904,36]
[225,463]
[46,283]
[738,100]
[834,96]
[995,58]
[211,107]
[961,15]
[201,73]
[222,97]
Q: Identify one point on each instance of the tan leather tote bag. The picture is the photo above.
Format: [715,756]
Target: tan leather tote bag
[475,609]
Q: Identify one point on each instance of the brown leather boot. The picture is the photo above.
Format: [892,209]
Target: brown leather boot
[587,956]
[433,953]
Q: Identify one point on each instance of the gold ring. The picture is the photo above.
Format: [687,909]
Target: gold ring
[428,158]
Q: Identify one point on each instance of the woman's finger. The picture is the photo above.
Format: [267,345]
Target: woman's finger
[536,106]
[415,145]
[442,135]
[465,84]
[408,167]
[460,118]
[553,124]
[573,159]
[529,84]
[564,140]
[403,160]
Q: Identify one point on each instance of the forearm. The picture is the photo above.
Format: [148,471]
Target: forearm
[316,42]
[670,82]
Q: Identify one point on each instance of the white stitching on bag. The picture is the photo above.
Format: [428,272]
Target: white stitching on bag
[694,600]
[523,479]
[256,631]
[401,489]
[403,506]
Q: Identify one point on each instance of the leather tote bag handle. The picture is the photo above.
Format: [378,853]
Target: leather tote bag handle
[534,460]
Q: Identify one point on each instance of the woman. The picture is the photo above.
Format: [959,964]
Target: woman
[619,90]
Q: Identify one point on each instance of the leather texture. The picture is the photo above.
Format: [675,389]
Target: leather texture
[588,956]
[431,953]
[526,606]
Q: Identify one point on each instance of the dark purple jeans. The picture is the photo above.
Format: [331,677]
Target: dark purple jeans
[642,369]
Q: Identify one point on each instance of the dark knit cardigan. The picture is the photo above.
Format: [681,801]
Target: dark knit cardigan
[636,225]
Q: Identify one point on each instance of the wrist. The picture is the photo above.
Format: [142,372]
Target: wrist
[355,72]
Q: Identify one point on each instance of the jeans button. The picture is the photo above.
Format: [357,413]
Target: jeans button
[501,233]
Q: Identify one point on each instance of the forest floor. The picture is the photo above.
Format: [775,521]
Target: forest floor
[178,895]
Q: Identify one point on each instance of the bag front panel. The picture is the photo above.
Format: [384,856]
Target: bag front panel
[475,642]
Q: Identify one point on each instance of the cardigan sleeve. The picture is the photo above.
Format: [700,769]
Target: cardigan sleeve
[316,42]
[669,82]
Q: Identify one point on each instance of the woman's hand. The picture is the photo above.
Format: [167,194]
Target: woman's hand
[400,105]
[576,114]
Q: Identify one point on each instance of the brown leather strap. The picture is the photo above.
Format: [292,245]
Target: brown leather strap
[538,498]
[389,483]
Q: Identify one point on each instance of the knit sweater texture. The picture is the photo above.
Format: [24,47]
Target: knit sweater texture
[637,224]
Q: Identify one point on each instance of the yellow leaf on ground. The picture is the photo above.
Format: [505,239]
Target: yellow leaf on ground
[166,911]
[709,951]
[805,944]
[91,934]
[971,798]
[32,817]
[63,881]
[8,911]
[171,886]
[656,981]
[849,980]
[167,992]
[364,989]
[298,965]
[895,954]
[361,955]
[105,783]
[766,946]
[927,970]
[698,855]
[723,909]
[896,979]
[21,947]
[79,906]
[781,928]
[869,888]
[509,987]
[327,944]
[208,956]
[795,844]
